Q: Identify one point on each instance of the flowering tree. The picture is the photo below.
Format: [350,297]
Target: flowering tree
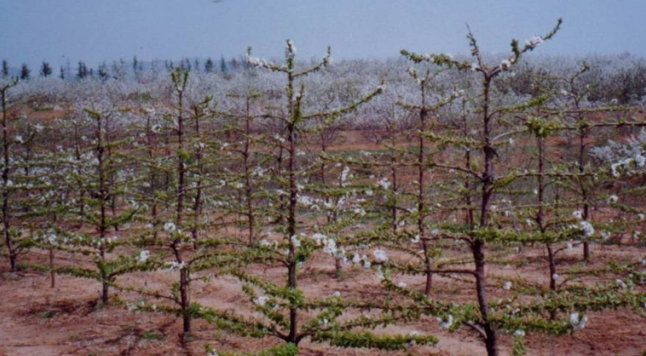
[251,174]
[414,205]
[176,227]
[624,162]
[152,189]
[7,169]
[284,307]
[476,237]
[91,176]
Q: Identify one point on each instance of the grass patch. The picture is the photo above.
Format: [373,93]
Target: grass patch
[152,335]
[47,314]
[43,109]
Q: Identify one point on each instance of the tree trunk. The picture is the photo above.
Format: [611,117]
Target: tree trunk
[478,246]
[185,302]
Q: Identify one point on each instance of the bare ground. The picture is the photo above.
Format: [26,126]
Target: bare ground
[36,320]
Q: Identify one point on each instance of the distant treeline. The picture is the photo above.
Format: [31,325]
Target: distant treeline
[611,79]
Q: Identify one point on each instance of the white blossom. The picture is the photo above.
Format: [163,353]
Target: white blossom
[172,266]
[380,274]
[380,255]
[445,324]
[143,256]
[577,322]
[290,49]
[319,238]
[534,41]
[295,241]
[261,301]
[621,283]
[640,160]
[305,200]
[366,261]
[330,247]
[344,174]
[170,227]
[384,183]
[588,229]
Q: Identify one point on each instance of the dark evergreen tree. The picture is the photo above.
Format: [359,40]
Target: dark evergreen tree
[5,68]
[82,71]
[208,66]
[170,66]
[223,65]
[24,72]
[185,63]
[103,72]
[135,65]
[45,69]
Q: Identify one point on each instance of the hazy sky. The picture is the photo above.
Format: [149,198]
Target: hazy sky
[96,30]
